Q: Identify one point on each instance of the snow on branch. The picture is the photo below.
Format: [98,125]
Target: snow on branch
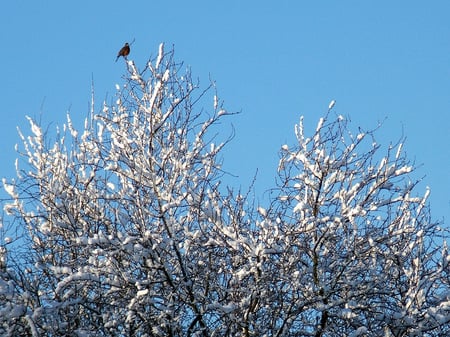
[128,228]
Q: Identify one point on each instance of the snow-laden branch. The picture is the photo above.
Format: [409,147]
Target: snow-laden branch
[125,228]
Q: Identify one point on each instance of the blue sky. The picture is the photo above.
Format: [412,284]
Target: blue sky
[272,60]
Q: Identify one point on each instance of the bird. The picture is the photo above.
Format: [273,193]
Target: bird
[124,51]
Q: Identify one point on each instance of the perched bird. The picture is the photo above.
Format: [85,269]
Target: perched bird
[124,51]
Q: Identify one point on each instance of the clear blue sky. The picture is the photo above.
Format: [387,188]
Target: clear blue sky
[272,60]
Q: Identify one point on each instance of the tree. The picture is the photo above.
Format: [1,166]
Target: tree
[365,252]
[126,229]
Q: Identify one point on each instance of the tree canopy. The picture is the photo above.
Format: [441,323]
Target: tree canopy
[125,228]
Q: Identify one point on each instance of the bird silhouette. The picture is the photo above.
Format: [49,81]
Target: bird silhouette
[124,51]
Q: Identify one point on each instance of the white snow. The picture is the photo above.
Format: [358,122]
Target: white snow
[9,188]
[262,211]
[359,332]
[331,105]
[141,293]
[133,212]
[35,128]
[160,55]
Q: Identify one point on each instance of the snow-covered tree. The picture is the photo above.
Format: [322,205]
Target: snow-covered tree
[125,229]
[364,255]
